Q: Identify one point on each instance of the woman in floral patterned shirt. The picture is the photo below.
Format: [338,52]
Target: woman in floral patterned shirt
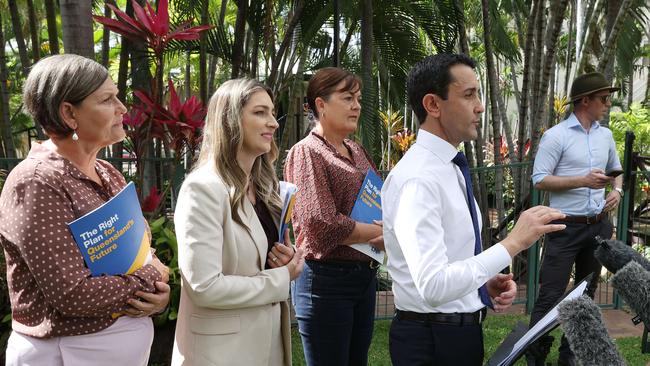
[334,297]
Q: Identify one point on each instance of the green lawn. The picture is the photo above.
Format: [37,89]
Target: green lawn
[495,330]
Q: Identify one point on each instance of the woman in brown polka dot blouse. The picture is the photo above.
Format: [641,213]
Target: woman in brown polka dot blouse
[334,297]
[60,314]
[234,309]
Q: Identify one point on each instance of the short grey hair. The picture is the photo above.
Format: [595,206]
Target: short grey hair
[57,79]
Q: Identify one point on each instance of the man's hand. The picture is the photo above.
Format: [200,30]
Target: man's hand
[502,289]
[597,179]
[149,303]
[612,200]
[532,224]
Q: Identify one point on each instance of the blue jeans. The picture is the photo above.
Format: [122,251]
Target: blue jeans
[335,308]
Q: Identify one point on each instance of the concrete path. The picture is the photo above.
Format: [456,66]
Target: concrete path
[618,322]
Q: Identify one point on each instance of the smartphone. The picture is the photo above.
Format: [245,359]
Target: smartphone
[614,173]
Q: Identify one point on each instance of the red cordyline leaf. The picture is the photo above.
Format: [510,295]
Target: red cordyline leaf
[175,106]
[135,117]
[151,202]
[126,18]
[149,26]
[119,27]
[142,16]
[161,25]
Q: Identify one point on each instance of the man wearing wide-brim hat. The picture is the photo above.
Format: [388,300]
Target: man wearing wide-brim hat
[575,163]
[588,85]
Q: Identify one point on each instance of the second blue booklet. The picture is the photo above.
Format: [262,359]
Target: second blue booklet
[113,238]
[366,209]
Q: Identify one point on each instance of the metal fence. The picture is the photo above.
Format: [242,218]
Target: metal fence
[495,188]
[501,206]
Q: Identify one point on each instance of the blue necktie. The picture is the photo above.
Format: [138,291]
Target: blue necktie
[461,161]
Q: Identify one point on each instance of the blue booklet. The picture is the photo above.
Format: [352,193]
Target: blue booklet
[366,209]
[288,197]
[113,238]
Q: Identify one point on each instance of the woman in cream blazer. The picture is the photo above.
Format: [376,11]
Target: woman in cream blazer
[233,311]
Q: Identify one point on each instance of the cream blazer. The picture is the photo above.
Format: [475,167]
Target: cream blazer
[232,311]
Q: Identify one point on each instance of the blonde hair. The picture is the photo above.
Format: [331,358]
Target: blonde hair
[223,138]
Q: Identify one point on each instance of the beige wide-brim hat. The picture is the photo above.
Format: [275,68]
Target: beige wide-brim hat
[588,84]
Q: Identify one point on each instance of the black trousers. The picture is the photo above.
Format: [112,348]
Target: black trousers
[415,343]
[574,245]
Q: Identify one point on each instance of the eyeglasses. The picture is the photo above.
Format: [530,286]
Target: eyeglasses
[604,98]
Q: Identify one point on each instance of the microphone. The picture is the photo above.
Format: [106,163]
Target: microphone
[614,254]
[633,284]
[582,323]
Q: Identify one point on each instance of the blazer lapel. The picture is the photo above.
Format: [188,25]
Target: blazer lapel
[256,232]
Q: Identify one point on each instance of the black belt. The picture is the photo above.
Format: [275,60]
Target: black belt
[458,319]
[585,219]
[373,264]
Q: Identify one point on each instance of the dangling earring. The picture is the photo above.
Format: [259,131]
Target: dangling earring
[75,137]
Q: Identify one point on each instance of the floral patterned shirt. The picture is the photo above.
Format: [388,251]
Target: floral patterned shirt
[51,291]
[328,184]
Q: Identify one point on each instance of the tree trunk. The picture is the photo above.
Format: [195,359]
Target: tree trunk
[369,128]
[33,30]
[240,34]
[583,26]
[292,127]
[203,52]
[348,38]
[630,90]
[567,62]
[20,39]
[551,38]
[106,38]
[245,65]
[610,45]
[494,94]
[592,25]
[77,27]
[52,35]
[463,46]
[5,120]
[255,54]
[188,75]
[521,179]
[288,34]
[213,59]
[463,43]
[646,100]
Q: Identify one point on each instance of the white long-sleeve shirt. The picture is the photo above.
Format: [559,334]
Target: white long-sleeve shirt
[428,233]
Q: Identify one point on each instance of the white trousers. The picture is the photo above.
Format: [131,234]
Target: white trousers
[125,343]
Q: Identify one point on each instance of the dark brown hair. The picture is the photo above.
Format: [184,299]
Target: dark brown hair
[324,83]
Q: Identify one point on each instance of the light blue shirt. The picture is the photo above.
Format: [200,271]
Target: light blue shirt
[567,149]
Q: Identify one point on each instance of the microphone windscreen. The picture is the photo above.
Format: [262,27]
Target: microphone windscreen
[614,254]
[583,327]
[633,284]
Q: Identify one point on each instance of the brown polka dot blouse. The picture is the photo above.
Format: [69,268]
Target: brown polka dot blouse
[328,184]
[51,291]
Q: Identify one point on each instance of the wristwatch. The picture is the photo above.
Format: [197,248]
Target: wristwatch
[619,190]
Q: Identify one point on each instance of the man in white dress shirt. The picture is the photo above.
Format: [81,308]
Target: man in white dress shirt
[434,256]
